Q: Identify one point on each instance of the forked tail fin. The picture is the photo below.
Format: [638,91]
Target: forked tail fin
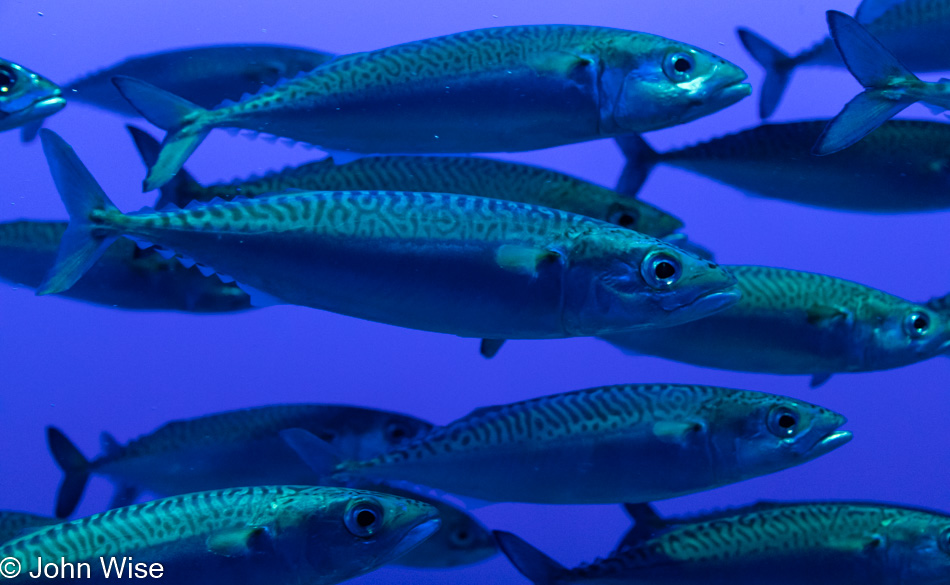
[181,189]
[182,120]
[530,562]
[75,468]
[640,161]
[877,70]
[86,238]
[778,69]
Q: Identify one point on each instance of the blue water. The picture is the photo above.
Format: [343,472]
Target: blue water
[87,369]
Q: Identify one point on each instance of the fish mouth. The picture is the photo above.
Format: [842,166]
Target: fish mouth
[735,92]
[50,105]
[830,443]
[417,536]
[706,304]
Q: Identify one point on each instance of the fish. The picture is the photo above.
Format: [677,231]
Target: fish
[917,31]
[26,96]
[801,323]
[124,277]
[206,76]
[889,86]
[212,451]
[15,524]
[611,444]
[903,167]
[793,543]
[458,264]
[503,89]
[461,541]
[482,177]
[253,535]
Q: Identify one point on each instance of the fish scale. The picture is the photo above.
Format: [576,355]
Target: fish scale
[13,524]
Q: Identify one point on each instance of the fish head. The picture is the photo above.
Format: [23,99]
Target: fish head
[636,215]
[362,433]
[917,544]
[26,96]
[348,532]
[896,333]
[618,280]
[462,540]
[667,84]
[753,434]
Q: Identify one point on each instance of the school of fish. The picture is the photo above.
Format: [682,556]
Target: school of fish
[399,224]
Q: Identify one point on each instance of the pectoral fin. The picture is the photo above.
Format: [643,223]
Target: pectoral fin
[524,259]
[819,379]
[240,541]
[823,314]
[670,431]
[560,63]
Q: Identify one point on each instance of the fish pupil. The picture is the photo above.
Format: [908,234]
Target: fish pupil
[625,220]
[920,323]
[664,270]
[7,79]
[786,421]
[682,65]
[365,518]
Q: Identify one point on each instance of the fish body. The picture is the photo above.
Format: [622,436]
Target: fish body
[812,543]
[481,177]
[889,86]
[271,535]
[206,76]
[26,96]
[916,31]
[458,264]
[125,276]
[14,524]
[792,322]
[904,166]
[501,89]
[212,452]
[630,443]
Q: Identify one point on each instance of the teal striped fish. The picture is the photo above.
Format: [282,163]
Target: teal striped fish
[916,31]
[889,86]
[801,323]
[809,543]
[459,264]
[468,175]
[259,535]
[904,166]
[26,96]
[14,524]
[124,277]
[491,90]
[213,451]
[631,443]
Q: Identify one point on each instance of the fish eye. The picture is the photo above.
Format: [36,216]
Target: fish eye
[460,538]
[396,432]
[783,422]
[661,270]
[679,66]
[363,518]
[916,324]
[7,79]
[943,540]
[625,219]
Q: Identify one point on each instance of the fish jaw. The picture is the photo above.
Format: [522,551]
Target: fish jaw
[29,108]
[705,305]
[417,535]
[830,443]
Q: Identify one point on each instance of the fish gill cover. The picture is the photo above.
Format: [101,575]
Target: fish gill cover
[88,368]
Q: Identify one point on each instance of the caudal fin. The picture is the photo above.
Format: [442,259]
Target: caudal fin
[876,69]
[182,120]
[75,468]
[86,238]
[640,160]
[778,69]
[179,191]
[530,562]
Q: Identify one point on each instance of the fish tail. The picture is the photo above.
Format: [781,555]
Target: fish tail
[530,562]
[778,69]
[181,189]
[87,235]
[75,468]
[876,69]
[183,120]
[640,161]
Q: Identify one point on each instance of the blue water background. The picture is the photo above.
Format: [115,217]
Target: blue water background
[88,369]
